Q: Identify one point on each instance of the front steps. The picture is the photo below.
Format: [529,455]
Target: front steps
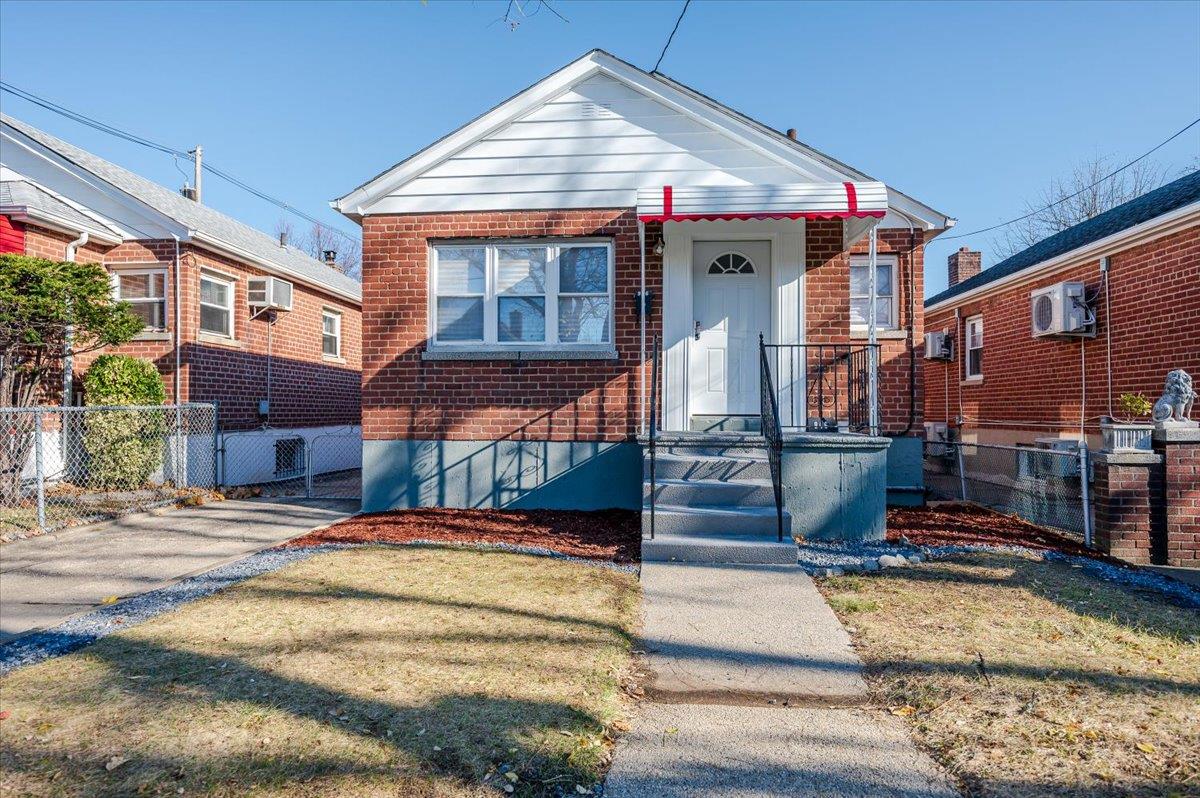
[713,501]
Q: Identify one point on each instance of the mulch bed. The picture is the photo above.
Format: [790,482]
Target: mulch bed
[964,524]
[610,535]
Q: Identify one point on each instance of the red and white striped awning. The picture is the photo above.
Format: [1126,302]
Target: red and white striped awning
[790,201]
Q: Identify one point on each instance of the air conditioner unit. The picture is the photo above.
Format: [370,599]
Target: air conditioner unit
[1059,457]
[1061,310]
[939,346]
[269,292]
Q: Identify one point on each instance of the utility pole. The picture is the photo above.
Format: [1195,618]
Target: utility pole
[198,156]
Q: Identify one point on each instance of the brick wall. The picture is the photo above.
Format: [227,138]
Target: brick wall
[307,389]
[1181,486]
[1155,326]
[407,397]
[1124,491]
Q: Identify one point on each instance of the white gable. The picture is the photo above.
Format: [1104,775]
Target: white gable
[591,135]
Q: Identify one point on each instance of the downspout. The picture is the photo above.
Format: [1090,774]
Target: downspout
[912,312]
[69,337]
[872,289]
[642,328]
[175,337]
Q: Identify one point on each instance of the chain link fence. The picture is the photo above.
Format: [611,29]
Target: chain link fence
[314,463]
[1045,486]
[63,466]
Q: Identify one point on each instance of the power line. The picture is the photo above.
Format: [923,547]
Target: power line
[1113,173]
[131,137]
[671,38]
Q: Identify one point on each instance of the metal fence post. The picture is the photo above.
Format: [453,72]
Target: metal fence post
[218,464]
[1085,493]
[40,465]
[962,471]
[308,468]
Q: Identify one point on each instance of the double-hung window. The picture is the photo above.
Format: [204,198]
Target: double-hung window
[860,292]
[146,292]
[216,305]
[331,333]
[522,295]
[973,365]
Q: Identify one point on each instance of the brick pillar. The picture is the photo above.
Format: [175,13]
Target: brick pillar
[1180,448]
[963,265]
[1124,493]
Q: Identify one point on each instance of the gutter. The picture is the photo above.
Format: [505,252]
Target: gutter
[69,338]
[1170,222]
[26,215]
[271,266]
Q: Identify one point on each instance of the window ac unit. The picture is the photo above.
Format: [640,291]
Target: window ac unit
[269,292]
[1061,310]
[939,346]
[1059,457]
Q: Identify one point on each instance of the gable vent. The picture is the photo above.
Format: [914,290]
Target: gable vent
[597,110]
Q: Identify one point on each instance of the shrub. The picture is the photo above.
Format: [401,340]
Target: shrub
[124,447]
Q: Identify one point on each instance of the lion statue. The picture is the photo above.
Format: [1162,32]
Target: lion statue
[1177,399]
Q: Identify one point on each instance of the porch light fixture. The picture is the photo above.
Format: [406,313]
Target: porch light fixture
[660,246]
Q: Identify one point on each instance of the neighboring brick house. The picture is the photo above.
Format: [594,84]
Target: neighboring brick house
[1139,265]
[507,357]
[60,202]
[1020,387]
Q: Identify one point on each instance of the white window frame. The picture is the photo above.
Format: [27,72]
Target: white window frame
[231,284]
[117,272]
[491,327]
[968,374]
[892,262]
[337,332]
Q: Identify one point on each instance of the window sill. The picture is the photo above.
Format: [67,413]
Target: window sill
[519,354]
[220,340]
[972,380]
[881,335]
[332,359]
[152,335]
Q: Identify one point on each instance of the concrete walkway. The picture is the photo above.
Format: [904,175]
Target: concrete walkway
[754,690]
[47,579]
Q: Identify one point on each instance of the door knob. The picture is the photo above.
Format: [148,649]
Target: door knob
[697,329]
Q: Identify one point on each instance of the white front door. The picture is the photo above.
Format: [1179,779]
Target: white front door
[731,282]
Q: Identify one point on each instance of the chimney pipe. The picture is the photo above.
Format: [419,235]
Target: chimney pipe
[198,157]
[791,133]
[330,258]
[283,238]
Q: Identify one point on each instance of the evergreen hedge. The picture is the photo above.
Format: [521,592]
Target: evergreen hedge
[124,447]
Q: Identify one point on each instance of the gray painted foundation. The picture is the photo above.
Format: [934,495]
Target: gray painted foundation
[835,485]
[905,473]
[577,475]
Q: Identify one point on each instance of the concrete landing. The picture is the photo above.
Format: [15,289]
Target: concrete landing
[708,549]
[744,752]
[744,634]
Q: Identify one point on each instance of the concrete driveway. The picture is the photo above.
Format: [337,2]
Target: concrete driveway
[47,579]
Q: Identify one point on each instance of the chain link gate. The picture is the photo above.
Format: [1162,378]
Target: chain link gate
[64,466]
[313,463]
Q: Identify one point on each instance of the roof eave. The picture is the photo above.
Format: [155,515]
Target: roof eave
[269,266]
[28,215]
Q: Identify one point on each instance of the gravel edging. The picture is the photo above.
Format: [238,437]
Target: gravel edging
[832,559]
[83,630]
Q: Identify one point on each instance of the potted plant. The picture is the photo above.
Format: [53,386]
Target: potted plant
[1129,433]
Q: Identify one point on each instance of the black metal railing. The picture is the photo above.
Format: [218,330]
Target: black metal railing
[772,430]
[656,356]
[823,387]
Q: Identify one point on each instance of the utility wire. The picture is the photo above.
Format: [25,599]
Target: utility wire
[671,38]
[1080,191]
[127,136]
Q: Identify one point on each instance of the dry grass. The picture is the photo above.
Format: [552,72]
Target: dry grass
[1084,688]
[375,671]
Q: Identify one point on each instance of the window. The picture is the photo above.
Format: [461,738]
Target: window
[974,362]
[731,263]
[216,305]
[522,294]
[331,333]
[885,292]
[146,292]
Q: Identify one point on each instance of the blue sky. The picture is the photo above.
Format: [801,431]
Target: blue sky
[969,107]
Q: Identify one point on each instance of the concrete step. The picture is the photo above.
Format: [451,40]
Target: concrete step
[708,549]
[713,520]
[726,424]
[706,467]
[699,492]
[742,445]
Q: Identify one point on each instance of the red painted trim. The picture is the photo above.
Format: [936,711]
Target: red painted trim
[668,204]
[12,236]
[851,198]
[715,217]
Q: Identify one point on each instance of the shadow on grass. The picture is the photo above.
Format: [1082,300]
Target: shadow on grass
[459,736]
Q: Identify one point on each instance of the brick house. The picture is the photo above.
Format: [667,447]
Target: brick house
[58,201]
[517,272]
[1008,384]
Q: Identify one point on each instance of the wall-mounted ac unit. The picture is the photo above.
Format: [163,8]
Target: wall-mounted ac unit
[939,346]
[269,292]
[1061,310]
[1058,457]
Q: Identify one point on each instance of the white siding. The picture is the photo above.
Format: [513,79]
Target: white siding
[591,146]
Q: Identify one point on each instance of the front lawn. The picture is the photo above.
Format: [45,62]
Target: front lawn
[370,671]
[1026,677]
